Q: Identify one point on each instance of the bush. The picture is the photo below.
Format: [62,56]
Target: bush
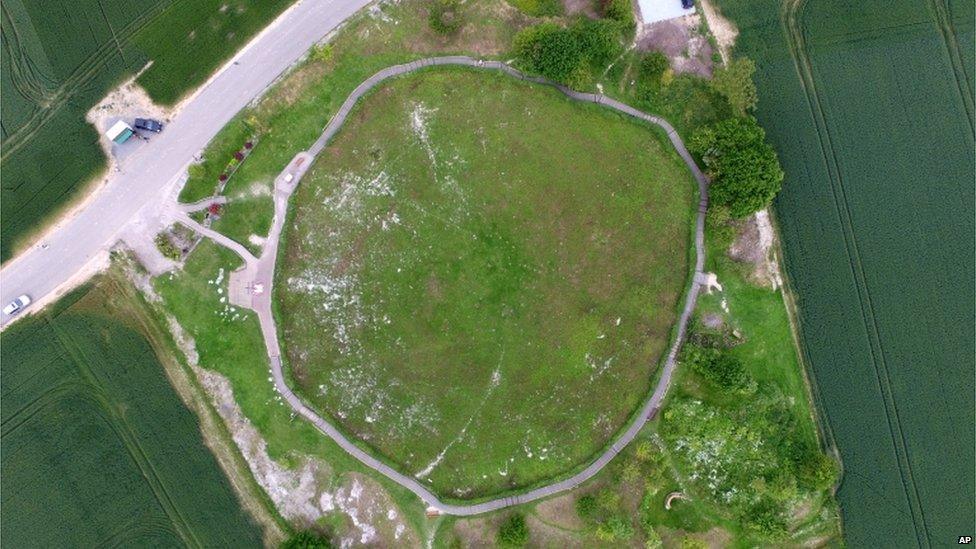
[307,539]
[586,507]
[653,65]
[550,50]
[615,529]
[745,171]
[565,55]
[765,519]
[599,41]
[716,365]
[621,11]
[514,532]
[734,81]
[445,16]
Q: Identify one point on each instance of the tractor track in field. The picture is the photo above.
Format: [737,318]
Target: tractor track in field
[261,270]
[943,21]
[791,16]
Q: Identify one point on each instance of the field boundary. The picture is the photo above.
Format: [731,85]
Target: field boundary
[791,20]
[262,270]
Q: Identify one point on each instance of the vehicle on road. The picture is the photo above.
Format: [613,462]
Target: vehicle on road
[17,305]
[149,124]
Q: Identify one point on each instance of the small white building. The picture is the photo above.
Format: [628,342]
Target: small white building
[120,132]
[652,11]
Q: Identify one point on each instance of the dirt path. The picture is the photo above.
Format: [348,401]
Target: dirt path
[259,273]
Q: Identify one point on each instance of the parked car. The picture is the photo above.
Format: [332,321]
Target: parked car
[17,305]
[687,4]
[149,125]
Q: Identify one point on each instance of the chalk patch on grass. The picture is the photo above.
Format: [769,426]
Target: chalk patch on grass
[496,377]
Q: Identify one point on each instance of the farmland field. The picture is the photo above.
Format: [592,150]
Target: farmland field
[98,448]
[872,113]
[61,57]
[465,291]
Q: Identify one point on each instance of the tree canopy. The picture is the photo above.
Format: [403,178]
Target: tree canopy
[568,54]
[734,81]
[744,168]
[307,539]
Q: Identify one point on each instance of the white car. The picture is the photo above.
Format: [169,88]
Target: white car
[17,305]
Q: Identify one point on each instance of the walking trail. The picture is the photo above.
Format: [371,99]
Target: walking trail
[250,287]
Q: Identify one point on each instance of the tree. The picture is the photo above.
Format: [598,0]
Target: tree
[307,539]
[445,16]
[734,81]
[514,532]
[745,171]
[550,50]
[599,41]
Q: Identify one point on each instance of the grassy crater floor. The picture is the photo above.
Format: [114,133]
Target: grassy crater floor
[480,277]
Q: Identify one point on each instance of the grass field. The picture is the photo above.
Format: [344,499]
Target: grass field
[59,58]
[872,114]
[291,116]
[488,281]
[701,447]
[228,341]
[98,448]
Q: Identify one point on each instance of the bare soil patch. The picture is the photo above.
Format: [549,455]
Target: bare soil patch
[755,245]
[581,7]
[683,40]
[722,29]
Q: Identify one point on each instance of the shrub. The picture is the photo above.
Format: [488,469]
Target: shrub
[307,539]
[550,50]
[586,507]
[745,171]
[565,55]
[653,65]
[615,529]
[514,532]
[621,11]
[716,365]
[166,247]
[445,16]
[320,52]
[734,81]
[599,41]
[765,519]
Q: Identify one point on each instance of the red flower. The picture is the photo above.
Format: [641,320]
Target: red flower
[223,177]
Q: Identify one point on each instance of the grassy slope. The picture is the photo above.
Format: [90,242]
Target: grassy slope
[293,114]
[229,342]
[875,215]
[91,422]
[60,58]
[555,237]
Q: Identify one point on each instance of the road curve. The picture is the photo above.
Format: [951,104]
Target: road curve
[148,175]
[261,270]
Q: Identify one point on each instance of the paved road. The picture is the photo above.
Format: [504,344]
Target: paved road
[149,176]
[261,271]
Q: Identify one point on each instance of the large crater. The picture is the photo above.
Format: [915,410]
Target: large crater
[480,276]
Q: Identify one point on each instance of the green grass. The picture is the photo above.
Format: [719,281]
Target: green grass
[228,341]
[98,448]
[506,270]
[60,58]
[871,112]
[538,8]
[292,115]
[703,445]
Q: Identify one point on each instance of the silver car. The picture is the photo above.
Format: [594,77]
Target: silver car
[17,305]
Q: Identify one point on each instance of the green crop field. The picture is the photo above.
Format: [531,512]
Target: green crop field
[98,450]
[61,57]
[481,276]
[872,113]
